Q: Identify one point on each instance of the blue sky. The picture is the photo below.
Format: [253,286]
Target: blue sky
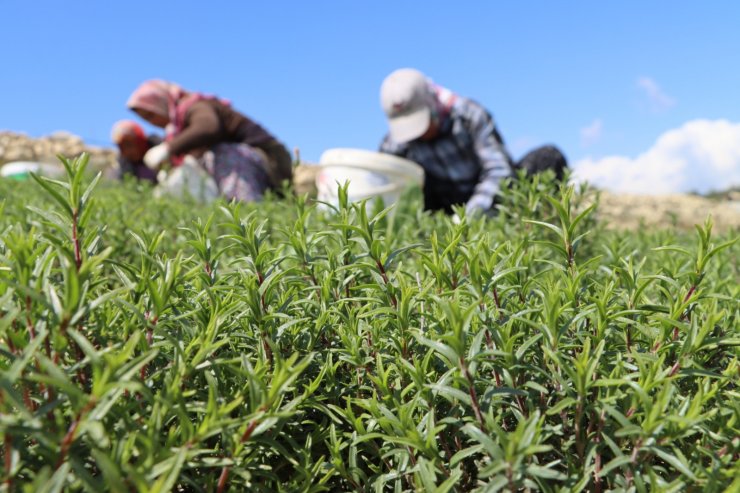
[641,96]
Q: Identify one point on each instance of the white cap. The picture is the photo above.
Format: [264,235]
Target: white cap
[407,102]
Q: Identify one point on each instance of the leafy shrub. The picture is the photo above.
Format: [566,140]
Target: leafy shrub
[156,345]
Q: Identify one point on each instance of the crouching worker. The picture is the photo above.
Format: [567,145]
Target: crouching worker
[455,140]
[132,145]
[243,158]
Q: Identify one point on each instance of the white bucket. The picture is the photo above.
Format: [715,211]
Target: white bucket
[370,174]
[21,170]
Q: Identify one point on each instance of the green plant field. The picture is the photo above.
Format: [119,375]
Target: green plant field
[159,345]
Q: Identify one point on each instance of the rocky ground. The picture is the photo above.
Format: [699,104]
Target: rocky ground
[621,211]
[20,147]
[682,211]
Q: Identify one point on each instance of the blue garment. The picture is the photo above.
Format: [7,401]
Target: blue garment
[464,164]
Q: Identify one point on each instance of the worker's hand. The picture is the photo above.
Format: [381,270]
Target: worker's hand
[476,205]
[156,156]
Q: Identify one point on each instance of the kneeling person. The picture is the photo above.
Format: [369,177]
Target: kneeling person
[455,140]
[132,145]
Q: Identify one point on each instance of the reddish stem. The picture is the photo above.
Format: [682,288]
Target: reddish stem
[675,368]
[411,456]
[473,395]
[70,436]
[149,337]
[496,300]
[29,321]
[222,479]
[687,313]
[633,460]
[27,399]
[267,348]
[384,275]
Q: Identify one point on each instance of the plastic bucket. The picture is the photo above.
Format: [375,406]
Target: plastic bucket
[370,174]
[21,170]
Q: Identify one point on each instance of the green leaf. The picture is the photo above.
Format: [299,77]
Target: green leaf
[674,461]
[490,446]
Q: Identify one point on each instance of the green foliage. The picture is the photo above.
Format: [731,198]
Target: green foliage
[154,345]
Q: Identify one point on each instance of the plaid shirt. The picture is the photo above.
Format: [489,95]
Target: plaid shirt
[464,164]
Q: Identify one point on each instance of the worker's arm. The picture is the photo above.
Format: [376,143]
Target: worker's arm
[493,157]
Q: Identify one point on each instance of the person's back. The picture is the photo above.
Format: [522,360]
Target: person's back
[209,122]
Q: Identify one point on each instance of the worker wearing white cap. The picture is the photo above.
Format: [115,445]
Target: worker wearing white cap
[455,140]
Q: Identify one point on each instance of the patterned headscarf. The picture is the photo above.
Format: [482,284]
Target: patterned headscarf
[127,128]
[166,99]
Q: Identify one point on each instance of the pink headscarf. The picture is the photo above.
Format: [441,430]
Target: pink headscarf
[127,128]
[167,99]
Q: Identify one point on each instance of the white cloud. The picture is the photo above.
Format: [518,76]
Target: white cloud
[592,133]
[700,156]
[657,99]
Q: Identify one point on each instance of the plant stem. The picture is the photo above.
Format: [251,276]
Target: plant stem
[473,394]
[496,300]
[222,479]
[384,275]
[580,442]
[76,240]
[29,321]
[71,432]
[149,337]
[597,458]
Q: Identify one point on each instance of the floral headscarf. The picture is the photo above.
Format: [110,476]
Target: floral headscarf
[166,99]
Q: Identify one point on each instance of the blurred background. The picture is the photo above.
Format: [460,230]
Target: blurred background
[640,96]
